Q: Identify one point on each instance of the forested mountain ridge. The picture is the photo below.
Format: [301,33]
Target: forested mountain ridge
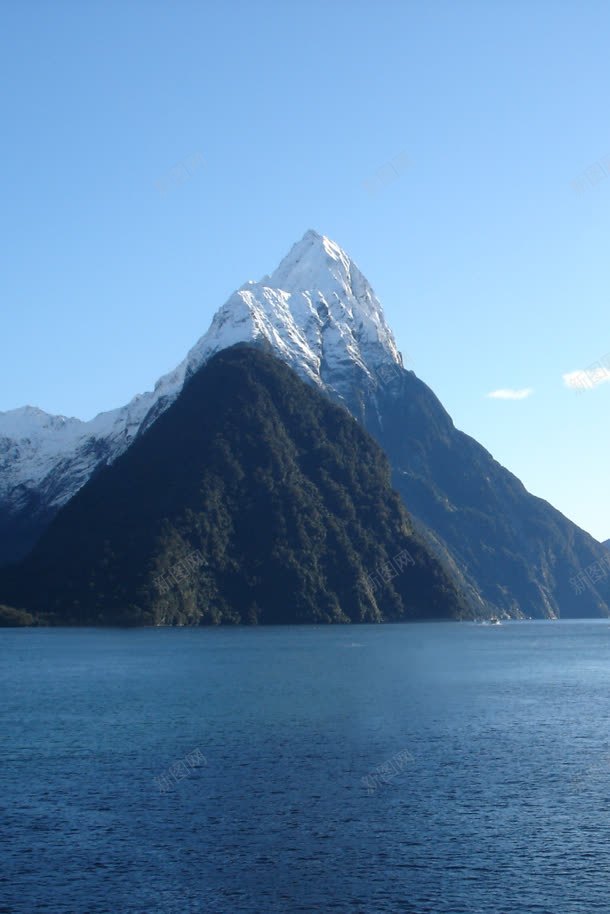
[252,499]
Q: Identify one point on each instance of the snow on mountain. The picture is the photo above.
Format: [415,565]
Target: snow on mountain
[34,444]
[316,310]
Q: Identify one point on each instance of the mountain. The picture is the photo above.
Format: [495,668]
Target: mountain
[252,498]
[523,556]
[322,334]
[606,543]
[513,553]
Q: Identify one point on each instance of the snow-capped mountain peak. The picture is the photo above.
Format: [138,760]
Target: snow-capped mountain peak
[314,262]
[317,264]
[316,310]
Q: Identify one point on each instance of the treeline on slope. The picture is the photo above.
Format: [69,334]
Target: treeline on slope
[269,504]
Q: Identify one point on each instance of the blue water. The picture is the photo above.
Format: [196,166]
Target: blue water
[500,803]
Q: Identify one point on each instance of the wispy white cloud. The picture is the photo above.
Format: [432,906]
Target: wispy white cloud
[586,378]
[507,393]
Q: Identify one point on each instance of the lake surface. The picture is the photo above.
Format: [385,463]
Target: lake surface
[433,769]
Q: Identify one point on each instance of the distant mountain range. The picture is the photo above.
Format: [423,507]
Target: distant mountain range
[507,551]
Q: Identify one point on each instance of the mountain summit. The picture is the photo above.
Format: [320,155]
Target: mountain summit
[316,311]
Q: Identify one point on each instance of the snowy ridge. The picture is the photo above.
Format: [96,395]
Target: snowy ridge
[34,444]
[316,310]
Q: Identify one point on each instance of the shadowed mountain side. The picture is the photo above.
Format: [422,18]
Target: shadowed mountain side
[522,555]
[251,499]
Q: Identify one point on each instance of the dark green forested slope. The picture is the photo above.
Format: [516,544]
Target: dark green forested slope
[521,555]
[252,499]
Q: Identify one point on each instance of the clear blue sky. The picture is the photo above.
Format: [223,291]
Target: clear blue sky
[493,269]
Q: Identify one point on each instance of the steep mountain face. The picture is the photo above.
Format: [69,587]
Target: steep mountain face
[514,553]
[522,555]
[252,499]
[316,310]
[606,543]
